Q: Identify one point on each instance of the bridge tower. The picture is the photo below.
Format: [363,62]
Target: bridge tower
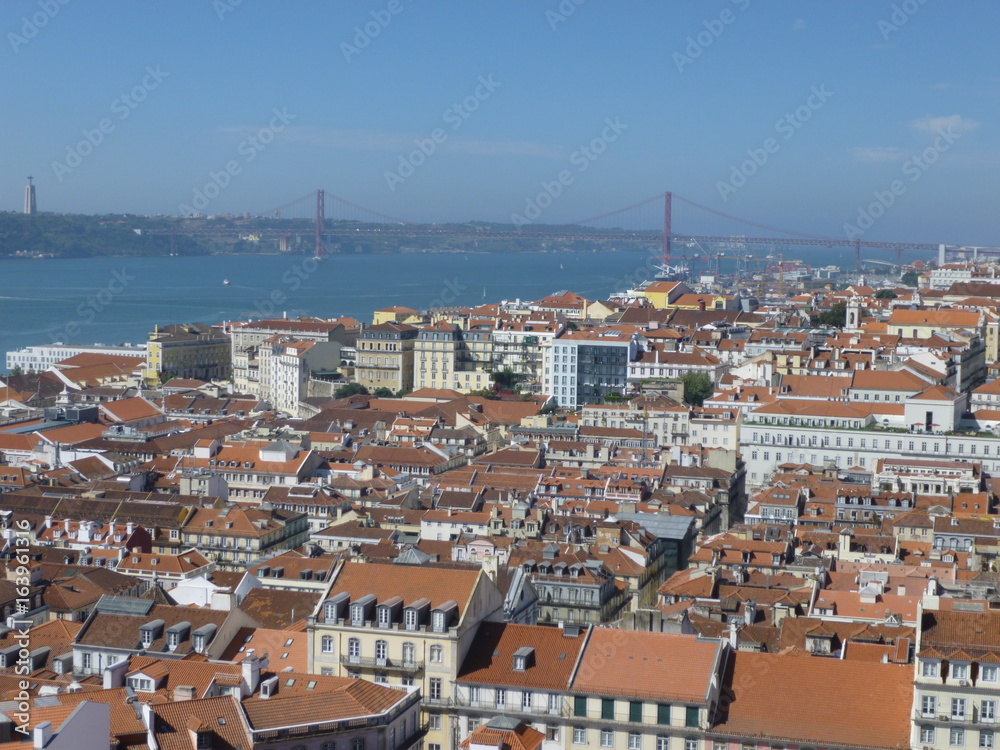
[667,201]
[320,222]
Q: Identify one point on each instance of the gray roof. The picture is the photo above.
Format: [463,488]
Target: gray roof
[664,527]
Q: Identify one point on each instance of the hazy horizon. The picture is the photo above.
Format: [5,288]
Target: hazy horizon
[810,116]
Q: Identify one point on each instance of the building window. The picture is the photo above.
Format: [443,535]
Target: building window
[662,742]
[354,650]
[409,655]
[958,708]
[960,671]
[579,736]
[956,737]
[988,711]
[526,700]
[381,652]
[552,733]
[928,705]
[930,668]
[579,705]
[434,721]
[986,739]
[663,714]
[501,698]
[927,735]
[635,711]
[691,716]
[327,644]
[607,709]
[607,738]
[988,673]
[435,688]
[358,743]
[690,743]
[437,654]
[634,741]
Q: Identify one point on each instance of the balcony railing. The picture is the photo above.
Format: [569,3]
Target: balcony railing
[369,662]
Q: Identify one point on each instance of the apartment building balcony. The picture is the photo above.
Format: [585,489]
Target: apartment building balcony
[511,707]
[391,665]
[971,719]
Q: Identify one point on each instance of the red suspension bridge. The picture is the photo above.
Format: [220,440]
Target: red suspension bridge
[652,220]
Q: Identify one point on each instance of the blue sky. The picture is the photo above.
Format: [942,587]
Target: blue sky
[694,90]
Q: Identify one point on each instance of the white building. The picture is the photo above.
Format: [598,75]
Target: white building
[926,427]
[286,367]
[40,357]
[582,367]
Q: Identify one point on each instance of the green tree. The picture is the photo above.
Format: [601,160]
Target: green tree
[351,389]
[506,379]
[885,294]
[835,317]
[697,387]
[910,278]
[382,392]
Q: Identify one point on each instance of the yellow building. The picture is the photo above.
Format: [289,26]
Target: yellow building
[445,356]
[385,357]
[662,293]
[923,324]
[397,314]
[403,625]
[189,350]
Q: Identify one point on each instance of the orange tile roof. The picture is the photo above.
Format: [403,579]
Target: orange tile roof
[490,660]
[662,666]
[817,701]
[385,581]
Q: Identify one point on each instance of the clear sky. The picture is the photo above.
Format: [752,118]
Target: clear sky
[829,100]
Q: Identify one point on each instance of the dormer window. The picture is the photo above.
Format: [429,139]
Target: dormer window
[141,683]
[438,622]
[357,615]
[524,658]
[384,617]
[411,619]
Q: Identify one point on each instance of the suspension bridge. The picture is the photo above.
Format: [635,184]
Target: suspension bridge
[653,220]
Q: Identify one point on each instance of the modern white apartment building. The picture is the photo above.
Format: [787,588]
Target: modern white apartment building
[40,357]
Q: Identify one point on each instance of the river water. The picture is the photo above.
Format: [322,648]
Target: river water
[115,300]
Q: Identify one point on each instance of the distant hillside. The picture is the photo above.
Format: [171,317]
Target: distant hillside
[82,235]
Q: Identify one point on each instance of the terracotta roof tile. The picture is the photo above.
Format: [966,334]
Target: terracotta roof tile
[817,701]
